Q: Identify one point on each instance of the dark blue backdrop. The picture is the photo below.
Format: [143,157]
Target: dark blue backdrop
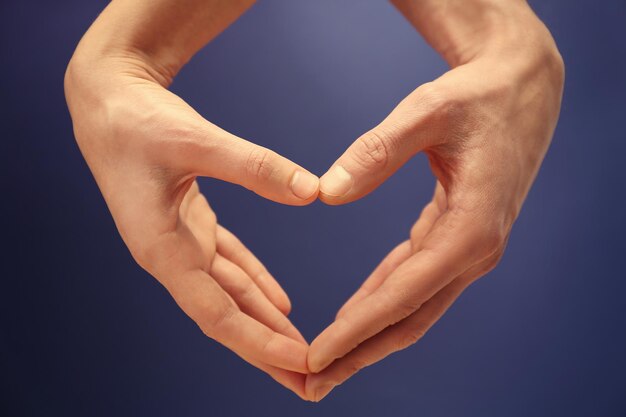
[85,332]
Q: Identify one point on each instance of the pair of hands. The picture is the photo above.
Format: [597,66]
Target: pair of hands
[485,126]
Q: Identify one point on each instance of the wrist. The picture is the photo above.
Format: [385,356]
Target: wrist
[462,31]
[153,39]
[102,56]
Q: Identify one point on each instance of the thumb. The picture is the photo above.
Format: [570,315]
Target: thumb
[379,153]
[219,154]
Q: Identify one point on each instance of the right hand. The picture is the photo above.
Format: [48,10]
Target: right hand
[145,147]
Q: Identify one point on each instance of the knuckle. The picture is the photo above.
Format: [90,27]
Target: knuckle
[146,255]
[143,258]
[283,325]
[484,231]
[404,301]
[212,322]
[150,255]
[181,142]
[373,149]
[284,305]
[267,345]
[355,364]
[490,266]
[237,252]
[211,216]
[494,260]
[445,106]
[213,316]
[491,240]
[433,95]
[408,306]
[244,292]
[410,337]
[422,226]
[259,165]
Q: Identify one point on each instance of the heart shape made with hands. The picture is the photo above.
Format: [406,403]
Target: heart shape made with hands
[154,146]
[485,140]
[485,126]
[172,232]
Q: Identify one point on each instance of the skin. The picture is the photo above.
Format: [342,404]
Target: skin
[145,147]
[485,126]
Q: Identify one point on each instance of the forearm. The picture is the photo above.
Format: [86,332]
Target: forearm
[159,36]
[461,30]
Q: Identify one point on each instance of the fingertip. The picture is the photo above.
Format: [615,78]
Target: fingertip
[335,185]
[295,334]
[295,382]
[283,304]
[300,352]
[299,387]
[331,200]
[316,365]
[305,186]
[276,294]
[343,309]
[316,359]
[288,329]
[317,387]
[322,391]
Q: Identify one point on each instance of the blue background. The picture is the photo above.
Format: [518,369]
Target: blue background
[85,332]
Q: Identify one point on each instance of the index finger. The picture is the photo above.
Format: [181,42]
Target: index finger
[199,295]
[450,249]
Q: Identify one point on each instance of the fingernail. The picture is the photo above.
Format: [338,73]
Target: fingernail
[336,182]
[322,392]
[304,184]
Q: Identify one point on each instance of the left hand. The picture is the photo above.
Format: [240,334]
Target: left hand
[485,126]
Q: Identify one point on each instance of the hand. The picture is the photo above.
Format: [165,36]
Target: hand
[485,126]
[145,147]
